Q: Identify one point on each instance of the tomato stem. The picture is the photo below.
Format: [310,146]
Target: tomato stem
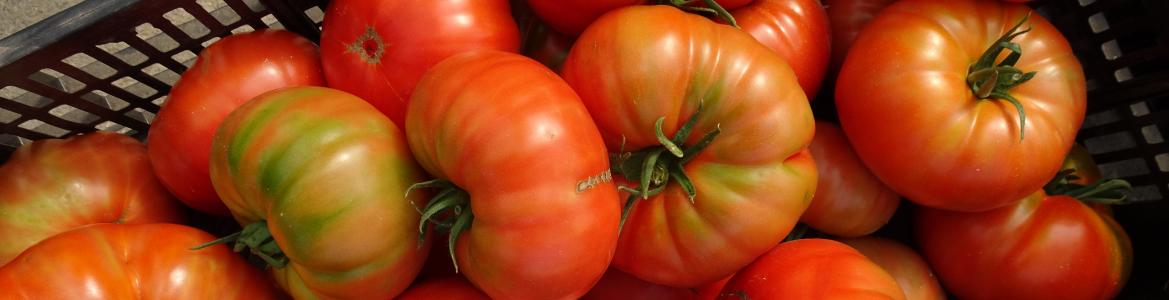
[1109,192]
[990,80]
[712,7]
[449,198]
[654,170]
[258,239]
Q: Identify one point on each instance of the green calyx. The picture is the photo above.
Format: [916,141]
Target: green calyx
[991,80]
[654,167]
[1109,192]
[449,198]
[258,239]
[711,7]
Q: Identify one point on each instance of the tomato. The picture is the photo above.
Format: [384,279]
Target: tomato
[448,288]
[1044,247]
[378,50]
[909,99]
[1085,168]
[797,30]
[54,185]
[226,74]
[317,177]
[846,19]
[643,66]
[536,212]
[620,285]
[904,264]
[849,201]
[132,261]
[812,269]
[571,17]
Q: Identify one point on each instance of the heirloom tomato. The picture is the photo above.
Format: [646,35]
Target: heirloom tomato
[812,269]
[132,261]
[911,271]
[515,154]
[710,127]
[378,49]
[1050,245]
[961,105]
[797,30]
[318,179]
[849,201]
[226,74]
[54,185]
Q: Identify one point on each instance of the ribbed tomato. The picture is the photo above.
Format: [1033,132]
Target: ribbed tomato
[447,288]
[571,17]
[515,154]
[318,179]
[961,105]
[55,185]
[132,261]
[711,128]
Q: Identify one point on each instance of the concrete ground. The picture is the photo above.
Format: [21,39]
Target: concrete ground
[18,14]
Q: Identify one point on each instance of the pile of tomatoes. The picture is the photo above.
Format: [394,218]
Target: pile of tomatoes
[565,149]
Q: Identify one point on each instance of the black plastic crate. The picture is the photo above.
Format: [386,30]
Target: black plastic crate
[109,64]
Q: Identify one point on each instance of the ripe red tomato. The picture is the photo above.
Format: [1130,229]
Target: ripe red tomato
[1044,247]
[447,288]
[911,271]
[620,285]
[317,177]
[797,30]
[378,50]
[644,72]
[139,261]
[812,269]
[227,74]
[847,18]
[538,40]
[910,99]
[711,291]
[733,4]
[571,17]
[55,185]
[508,138]
[849,201]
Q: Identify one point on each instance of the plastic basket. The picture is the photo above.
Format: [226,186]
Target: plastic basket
[109,64]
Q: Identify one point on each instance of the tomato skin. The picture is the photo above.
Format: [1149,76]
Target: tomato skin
[449,288]
[1044,247]
[795,29]
[904,103]
[226,74]
[571,17]
[849,201]
[620,285]
[327,172]
[711,291]
[910,270]
[516,138]
[847,18]
[54,185]
[733,4]
[812,269]
[132,261]
[753,181]
[405,39]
